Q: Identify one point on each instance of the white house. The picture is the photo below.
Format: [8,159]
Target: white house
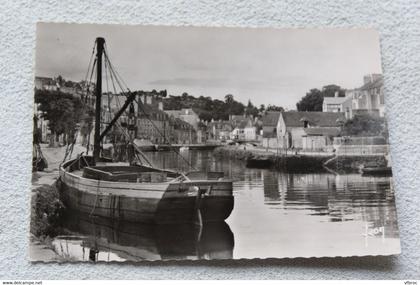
[369,98]
[244,130]
[338,104]
[269,129]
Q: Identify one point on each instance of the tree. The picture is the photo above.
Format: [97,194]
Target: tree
[365,125]
[275,108]
[229,99]
[311,102]
[206,107]
[60,80]
[63,112]
[251,110]
[331,90]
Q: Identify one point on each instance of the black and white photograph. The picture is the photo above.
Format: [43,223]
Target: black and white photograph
[203,143]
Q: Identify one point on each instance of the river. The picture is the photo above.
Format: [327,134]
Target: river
[275,215]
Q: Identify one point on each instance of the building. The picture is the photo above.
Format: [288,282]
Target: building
[59,84]
[187,114]
[243,128]
[46,83]
[369,98]
[43,83]
[154,125]
[41,125]
[183,132]
[244,131]
[309,130]
[219,130]
[158,126]
[152,99]
[202,132]
[152,122]
[269,129]
[338,104]
[320,138]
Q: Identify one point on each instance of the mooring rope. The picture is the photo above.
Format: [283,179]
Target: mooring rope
[120,82]
[96,199]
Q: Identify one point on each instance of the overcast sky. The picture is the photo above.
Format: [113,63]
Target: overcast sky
[267,66]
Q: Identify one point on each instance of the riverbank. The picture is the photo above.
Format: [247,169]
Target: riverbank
[300,162]
[167,147]
[45,201]
[46,207]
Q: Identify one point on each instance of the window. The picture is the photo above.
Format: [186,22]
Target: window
[305,124]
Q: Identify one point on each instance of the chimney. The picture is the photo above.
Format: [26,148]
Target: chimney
[367,79]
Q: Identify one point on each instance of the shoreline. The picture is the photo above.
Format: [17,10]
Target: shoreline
[300,161]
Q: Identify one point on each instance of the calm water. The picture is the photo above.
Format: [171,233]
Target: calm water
[275,215]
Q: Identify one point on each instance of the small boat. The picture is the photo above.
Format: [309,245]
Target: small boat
[137,192]
[259,162]
[376,171]
[184,148]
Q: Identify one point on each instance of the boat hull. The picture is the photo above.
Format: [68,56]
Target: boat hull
[160,203]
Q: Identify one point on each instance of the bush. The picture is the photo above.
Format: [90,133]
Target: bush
[365,125]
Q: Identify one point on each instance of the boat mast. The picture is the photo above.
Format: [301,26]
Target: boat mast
[97,139]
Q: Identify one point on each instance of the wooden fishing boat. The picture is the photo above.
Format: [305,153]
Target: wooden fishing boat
[139,193]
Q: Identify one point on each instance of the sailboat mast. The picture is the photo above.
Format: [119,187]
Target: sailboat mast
[97,139]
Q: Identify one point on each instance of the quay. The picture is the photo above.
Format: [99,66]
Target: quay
[167,147]
[301,161]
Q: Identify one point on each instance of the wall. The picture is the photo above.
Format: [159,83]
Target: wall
[398,23]
[270,143]
[314,142]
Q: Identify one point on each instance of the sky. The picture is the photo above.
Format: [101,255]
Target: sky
[266,66]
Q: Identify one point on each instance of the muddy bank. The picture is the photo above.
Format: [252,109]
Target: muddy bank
[355,163]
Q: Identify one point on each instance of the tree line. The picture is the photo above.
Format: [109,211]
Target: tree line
[313,99]
[208,108]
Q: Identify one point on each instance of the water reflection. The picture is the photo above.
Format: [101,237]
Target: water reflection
[339,197]
[100,240]
[275,215]
[314,214]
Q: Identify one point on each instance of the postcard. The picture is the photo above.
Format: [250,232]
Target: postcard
[191,143]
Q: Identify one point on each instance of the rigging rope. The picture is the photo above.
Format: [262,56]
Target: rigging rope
[70,147]
[116,75]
